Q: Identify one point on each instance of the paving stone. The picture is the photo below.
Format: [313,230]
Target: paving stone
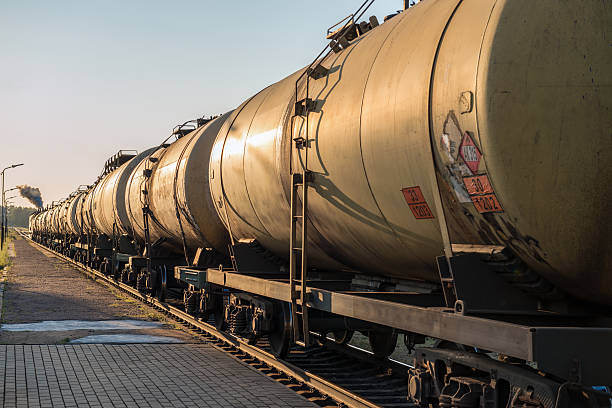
[134,375]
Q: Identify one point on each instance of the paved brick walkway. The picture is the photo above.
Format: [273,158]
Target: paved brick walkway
[136,375]
[37,369]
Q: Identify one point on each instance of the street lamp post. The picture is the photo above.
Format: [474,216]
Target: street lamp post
[4,230]
[5,206]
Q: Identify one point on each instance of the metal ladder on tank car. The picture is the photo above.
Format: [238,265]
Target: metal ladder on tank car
[298,248]
[146,211]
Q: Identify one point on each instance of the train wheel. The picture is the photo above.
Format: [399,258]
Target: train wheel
[124,275]
[279,338]
[383,342]
[117,274]
[203,307]
[105,267]
[342,336]
[161,286]
[141,282]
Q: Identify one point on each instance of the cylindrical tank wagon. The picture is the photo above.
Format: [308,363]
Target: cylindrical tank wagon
[108,206]
[175,179]
[451,93]
[456,185]
[73,220]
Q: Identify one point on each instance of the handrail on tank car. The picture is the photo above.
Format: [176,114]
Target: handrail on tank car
[330,29]
[186,127]
[122,152]
[351,16]
[191,125]
[355,16]
[113,162]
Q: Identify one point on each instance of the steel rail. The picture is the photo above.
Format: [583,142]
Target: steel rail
[323,386]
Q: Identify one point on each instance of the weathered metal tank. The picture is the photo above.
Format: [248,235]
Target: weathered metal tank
[32,226]
[177,186]
[73,217]
[108,198]
[86,212]
[33,222]
[498,110]
[41,221]
[62,216]
[54,221]
[45,221]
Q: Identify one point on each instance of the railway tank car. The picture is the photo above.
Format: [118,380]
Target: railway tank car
[445,173]
[464,82]
[175,179]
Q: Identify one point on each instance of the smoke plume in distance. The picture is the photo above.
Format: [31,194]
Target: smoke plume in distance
[32,194]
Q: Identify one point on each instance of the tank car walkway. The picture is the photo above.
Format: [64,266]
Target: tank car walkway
[61,345]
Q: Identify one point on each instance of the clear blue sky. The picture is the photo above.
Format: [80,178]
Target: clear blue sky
[80,80]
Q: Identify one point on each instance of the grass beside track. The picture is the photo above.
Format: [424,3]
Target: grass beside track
[4,256]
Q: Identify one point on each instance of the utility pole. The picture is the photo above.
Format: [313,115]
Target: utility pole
[4,226]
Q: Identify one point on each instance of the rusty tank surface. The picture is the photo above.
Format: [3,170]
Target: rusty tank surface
[475,105]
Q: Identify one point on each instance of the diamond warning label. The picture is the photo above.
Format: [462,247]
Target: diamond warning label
[416,201]
[470,153]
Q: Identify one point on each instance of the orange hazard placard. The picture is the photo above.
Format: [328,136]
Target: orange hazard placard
[413,195]
[487,203]
[416,201]
[421,211]
[478,185]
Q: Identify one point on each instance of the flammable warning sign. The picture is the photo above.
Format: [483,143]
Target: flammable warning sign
[469,153]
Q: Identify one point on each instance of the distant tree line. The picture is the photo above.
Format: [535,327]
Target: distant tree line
[18,216]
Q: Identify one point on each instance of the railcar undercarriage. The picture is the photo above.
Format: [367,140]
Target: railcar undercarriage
[510,354]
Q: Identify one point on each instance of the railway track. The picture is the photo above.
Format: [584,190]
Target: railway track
[329,375]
